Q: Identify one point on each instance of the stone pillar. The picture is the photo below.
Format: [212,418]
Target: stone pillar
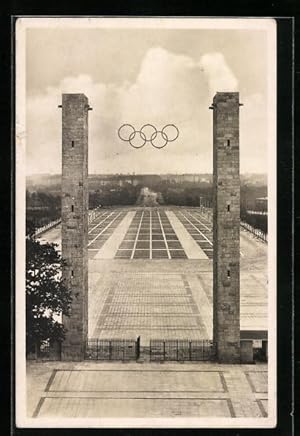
[247,351]
[265,349]
[226,227]
[74,216]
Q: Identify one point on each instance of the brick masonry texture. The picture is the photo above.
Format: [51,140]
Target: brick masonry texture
[75,220]
[226,227]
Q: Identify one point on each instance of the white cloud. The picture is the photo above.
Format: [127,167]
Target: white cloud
[253,134]
[169,88]
[220,76]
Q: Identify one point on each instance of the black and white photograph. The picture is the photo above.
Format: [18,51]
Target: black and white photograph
[145,222]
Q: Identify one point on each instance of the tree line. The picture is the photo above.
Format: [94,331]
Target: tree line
[42,208]
[114,195]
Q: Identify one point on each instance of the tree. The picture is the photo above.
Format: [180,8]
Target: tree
[46,295]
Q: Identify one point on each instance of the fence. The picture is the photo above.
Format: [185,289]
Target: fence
[92,215]
[181,350]
[257,212]
[114,349]
[48,226]
[253,348]
[257,232]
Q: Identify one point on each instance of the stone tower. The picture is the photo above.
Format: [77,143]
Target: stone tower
[75,220]
[226,227]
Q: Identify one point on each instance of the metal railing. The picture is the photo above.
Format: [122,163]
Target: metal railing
[46,227]
[256,232]
[181,350]
[112,349]
[92,215]
[158,350]
[257,212]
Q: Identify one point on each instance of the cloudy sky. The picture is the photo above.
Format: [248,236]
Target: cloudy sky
[139,76]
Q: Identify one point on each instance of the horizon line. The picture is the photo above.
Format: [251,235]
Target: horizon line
[144,174]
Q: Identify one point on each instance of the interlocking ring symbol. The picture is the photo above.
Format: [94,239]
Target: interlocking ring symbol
[148,133]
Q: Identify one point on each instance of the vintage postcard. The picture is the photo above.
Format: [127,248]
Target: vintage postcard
[145,222]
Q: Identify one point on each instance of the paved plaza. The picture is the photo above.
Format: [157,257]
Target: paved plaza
[164,300]
[150,275]
[133,390]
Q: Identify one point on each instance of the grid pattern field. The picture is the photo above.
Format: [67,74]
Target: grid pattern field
[150,236]
[102,227]
[199,228]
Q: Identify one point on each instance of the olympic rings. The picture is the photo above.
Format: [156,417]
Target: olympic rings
[148,133]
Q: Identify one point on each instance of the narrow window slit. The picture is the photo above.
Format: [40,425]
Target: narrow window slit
[72,208]
[228,273]
[72,144]
[228,207]
[228,142]
[72,273]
